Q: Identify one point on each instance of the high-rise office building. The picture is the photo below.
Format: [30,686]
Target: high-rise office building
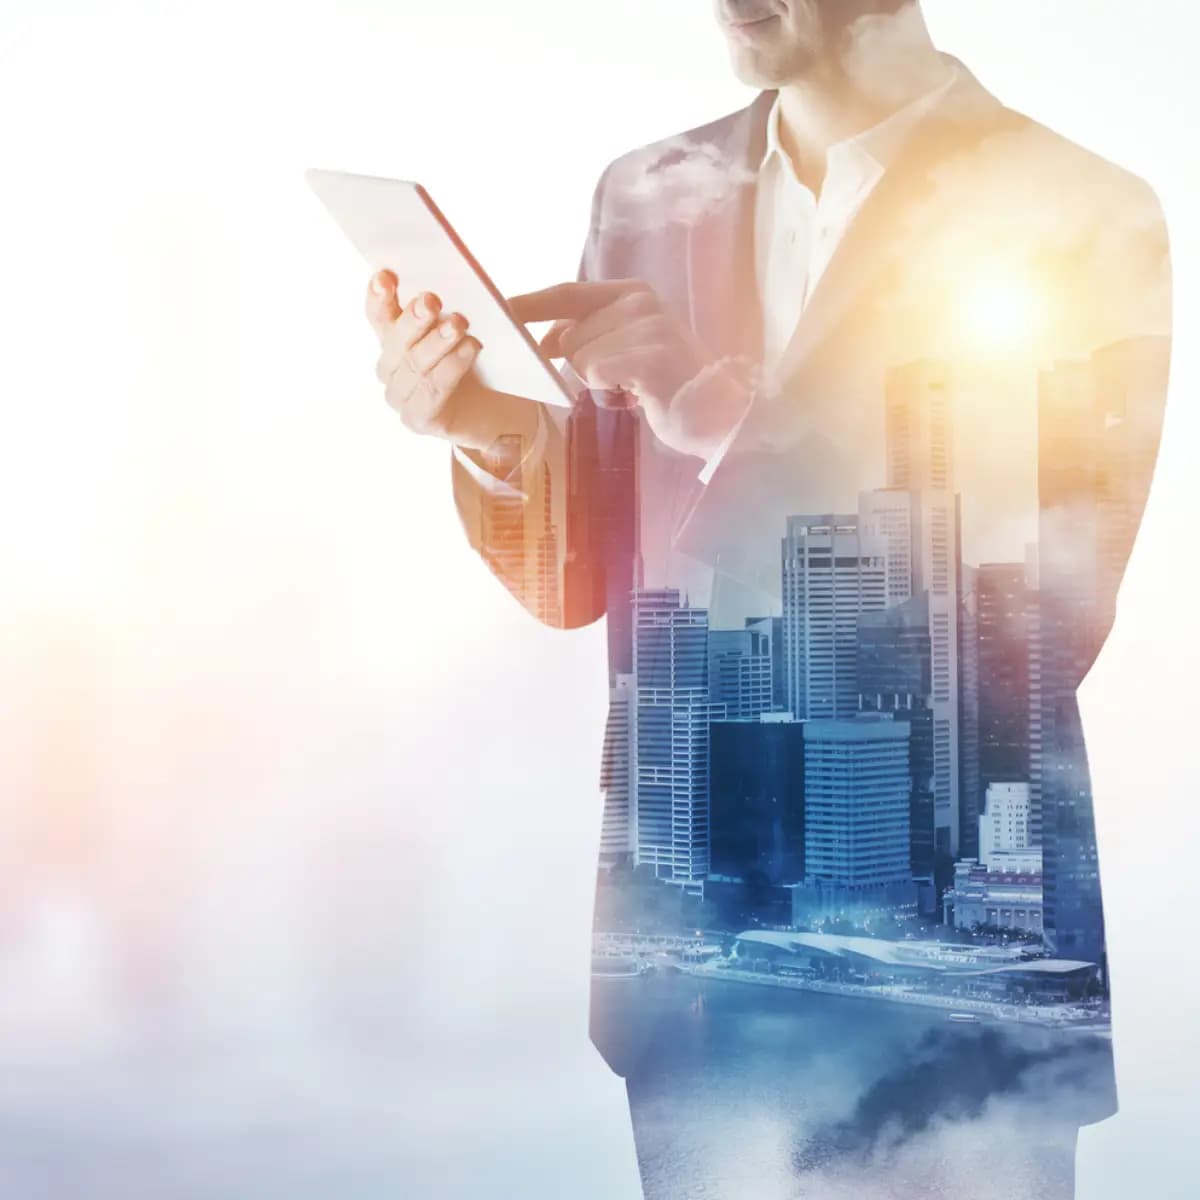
[1068,540]
[739,671]
[503,517]
[919,432]
[919,426]
[548,588]
[773,628]
[1096,446]
[671,736]
[893,673]
[887,513]
[1004,824]
[856,811]
[1033,626]
[601,564]
[831,576]
[616,773]
[757,806]
[583,565]
[1003,647]
[617,439]
[969,688]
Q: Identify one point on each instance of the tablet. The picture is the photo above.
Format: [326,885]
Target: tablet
[395,224]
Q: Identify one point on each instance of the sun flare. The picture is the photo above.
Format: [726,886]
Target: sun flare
[998,311]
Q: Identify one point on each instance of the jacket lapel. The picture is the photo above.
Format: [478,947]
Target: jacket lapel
[871,244]
[722,289]
[722,276]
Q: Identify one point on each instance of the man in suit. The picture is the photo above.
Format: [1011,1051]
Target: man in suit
[871,384]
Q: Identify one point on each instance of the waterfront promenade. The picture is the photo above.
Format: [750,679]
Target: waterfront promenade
[1056,1016]
[700,955]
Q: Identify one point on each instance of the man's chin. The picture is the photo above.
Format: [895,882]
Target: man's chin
[761,70]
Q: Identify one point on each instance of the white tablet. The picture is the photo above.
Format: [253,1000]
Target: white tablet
[395,225]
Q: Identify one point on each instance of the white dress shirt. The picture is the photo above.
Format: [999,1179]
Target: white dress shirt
[796,232]
[795,236]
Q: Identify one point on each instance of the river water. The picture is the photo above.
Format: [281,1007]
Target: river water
[744,1091]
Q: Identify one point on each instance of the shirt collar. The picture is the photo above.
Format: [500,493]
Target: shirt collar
[875,148]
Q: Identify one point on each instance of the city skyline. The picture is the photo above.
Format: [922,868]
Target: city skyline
[880,615]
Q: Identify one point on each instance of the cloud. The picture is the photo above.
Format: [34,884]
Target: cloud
[959,1101]
[680,181]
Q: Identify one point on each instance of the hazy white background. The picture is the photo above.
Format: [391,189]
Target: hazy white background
[297,823]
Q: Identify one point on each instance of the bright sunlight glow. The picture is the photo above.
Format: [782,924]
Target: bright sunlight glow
[999,311]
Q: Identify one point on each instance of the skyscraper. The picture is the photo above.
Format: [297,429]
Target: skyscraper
[1068,540]
[919,436]
[739,671]
[893,671]
[671,736]
[617,438]
[969,684]
[773,628]
[1003,641]
[1096,440]
[601,564]
[831,576]
[502,514]
[616,773]
[757,809]
[1033,625]
[887,513]
[919,426]
[856,805]
[548,596]
[583,566]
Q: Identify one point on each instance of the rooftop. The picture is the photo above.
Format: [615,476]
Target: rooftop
[932,956]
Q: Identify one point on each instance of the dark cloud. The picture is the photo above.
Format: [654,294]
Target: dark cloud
[963,1078]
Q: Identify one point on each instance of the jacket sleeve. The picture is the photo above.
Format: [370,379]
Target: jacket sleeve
[532,508]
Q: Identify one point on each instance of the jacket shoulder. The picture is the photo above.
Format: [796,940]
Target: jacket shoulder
[676,179]
[1058,166]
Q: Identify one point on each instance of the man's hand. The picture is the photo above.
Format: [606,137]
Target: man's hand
[618,335]
[425,366]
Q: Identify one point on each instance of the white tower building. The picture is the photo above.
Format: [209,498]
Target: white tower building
[831,576]
[920,461]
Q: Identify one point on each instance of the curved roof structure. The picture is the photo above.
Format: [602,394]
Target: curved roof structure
[929,956]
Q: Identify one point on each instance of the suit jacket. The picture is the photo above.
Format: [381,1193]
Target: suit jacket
[1005,280]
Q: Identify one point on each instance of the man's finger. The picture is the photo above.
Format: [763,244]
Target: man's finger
[424,409]
[426,353]
[623,314]
[382,306]
[570,301]
[406,330]
[633,344]
[624,373]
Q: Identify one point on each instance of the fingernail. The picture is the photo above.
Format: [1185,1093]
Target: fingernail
[377,285]
[467,348]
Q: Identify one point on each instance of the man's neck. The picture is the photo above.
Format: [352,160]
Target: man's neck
[814,115]
[883,68]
